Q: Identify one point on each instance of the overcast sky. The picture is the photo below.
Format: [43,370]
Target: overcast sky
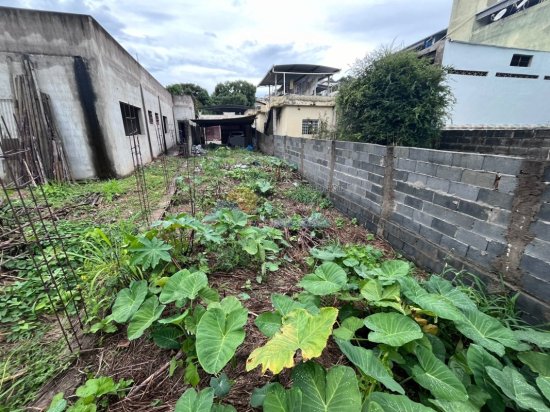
[209,41]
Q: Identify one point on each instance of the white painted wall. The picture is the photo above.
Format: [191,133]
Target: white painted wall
[497,101]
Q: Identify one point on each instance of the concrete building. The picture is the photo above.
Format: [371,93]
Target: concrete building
[500,87]
[499,55]
[99,93]
[300,101]
[522,24]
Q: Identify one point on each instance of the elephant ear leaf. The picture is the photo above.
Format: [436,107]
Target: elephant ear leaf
[478,359]
[219,333]
[149,312]
[393,329]
[543,382]
[515,386]
[300,330]
[348,327]
[191,401]
[280,400]
[269,323]
[538,362]
[335,390]
[369,364]
[390,271]
[183,285]
[435,376]
[327,279]
[488,332]
[128,301]
[541,339]
[379,401]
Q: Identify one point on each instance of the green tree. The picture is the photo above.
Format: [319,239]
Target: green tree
[393,98]
[234,92]
[199,94]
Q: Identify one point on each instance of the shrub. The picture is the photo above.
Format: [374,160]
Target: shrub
[393,98]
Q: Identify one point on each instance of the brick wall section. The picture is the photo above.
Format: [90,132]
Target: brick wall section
[437,207]
[534,143]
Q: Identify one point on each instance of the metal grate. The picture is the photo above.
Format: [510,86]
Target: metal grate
[468,73]
[517,75]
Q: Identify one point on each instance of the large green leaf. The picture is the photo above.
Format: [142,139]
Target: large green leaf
[435,376]
[348,328]
[285,304]
[300,330]
[328,253]
[437,285]
[537,361]
[335,390]
[393,329]
[478,359]
[258,395]
[487,332]
[515,386]
[454,406]
[129,300]
[269,323]
[543,382]
[541,339]
[393,403]
[278,399]
[150,252]
[377,295]
[219,333]
[439,305]
[369,364]
[149,312]
[183,285]
[191,401]
[327,279]
[390,271]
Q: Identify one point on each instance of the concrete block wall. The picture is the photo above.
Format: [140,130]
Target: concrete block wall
[534,143]
[467,210]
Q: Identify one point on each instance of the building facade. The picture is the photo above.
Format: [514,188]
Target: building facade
[99,93]
[300,101]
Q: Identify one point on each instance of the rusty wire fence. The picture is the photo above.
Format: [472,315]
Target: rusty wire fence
[28,227]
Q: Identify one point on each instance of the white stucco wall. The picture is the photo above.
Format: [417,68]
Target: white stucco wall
[497,101]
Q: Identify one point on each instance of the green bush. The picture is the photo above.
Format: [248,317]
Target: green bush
[393,98]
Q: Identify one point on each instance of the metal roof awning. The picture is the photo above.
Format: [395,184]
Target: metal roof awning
[294,72]
[237,120]
[230,108]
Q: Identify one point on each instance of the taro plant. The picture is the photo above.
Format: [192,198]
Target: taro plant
[415,346]
[93,396]
[207,329]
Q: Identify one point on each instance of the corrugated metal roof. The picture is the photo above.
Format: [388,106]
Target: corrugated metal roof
[294,72]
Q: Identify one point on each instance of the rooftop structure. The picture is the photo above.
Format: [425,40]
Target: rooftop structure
[301,79]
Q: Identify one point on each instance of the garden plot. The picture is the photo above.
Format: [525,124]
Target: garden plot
[253,293]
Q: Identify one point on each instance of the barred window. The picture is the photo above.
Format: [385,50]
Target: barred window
[521,60]
[130,118]
[310,126]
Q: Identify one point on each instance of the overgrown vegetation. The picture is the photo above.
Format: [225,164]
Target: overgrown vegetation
[393,98]
[290,302]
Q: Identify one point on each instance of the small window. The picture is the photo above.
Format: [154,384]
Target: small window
[165,124]
[157,118]
[130,118]
[150,114]
[521,60]
[310,126]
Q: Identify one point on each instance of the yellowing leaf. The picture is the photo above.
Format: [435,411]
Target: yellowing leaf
[300,330]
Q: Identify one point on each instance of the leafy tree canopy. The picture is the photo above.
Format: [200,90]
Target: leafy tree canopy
[393,98]
[200,95]
[234,92]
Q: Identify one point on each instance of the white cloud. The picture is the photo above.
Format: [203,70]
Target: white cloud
[217,40]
